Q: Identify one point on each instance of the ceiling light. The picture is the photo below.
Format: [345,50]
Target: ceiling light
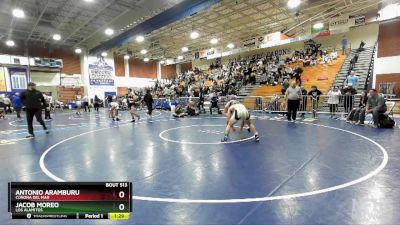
[162,62]
[126,57]
[143,51]
[194,35]
[109,31]
[185,49]
[180,57]
[140,38]
[88,0]
[293,3]
[318,26]
[146,59]
[10,43]
[78,51]
[57,37]
[214,41]
[230,45]
[19,13]
[104,54]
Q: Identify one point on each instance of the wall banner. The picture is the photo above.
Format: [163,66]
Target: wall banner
[359,21]
[3,86]
[101,73]
[250,42]
[340,24]
[19,78]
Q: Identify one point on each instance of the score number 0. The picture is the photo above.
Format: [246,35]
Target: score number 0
[121,206]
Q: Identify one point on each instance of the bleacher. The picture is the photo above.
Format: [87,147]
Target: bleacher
[310,76]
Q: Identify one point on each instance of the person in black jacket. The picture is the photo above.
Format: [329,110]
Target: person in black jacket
[314,93]
[34,102]
[148,99]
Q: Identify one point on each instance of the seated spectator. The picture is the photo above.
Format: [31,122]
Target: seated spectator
[7,104]
[354,115]
[375,105]
[264,79]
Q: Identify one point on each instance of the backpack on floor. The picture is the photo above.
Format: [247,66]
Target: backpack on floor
[385,121]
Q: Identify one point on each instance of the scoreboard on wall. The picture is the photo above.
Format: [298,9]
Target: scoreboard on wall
[70,200]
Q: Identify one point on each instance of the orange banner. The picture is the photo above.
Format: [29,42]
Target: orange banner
[3,86]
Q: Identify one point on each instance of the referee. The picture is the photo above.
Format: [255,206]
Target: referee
[293,96]
[34,102]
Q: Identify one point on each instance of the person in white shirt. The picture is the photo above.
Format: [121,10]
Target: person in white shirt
[78,104]
[333,100]
[85,103]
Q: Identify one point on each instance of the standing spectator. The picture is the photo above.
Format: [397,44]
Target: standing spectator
[293,96]
[303,102]
[344,44]
[333,100]
[47,107]
[375,105]
[353,79]
[348,93]
[34,101]
[85,103]
[315,93]
[148,99]
[17,105]
[96,103]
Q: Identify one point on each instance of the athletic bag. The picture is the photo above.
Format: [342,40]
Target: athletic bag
[385,121]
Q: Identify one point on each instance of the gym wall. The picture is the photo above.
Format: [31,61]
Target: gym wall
[387,66]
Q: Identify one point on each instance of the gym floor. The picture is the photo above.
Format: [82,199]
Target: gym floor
[321,172]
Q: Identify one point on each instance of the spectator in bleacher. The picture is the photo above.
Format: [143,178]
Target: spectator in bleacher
[297,74]
[353,79]
[344,44]
[354,115]
[361,47]
[293,96]
[348,98]
[375,105]
[333,100]
[285,86]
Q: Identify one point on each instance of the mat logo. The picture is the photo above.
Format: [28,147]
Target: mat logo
[211,131]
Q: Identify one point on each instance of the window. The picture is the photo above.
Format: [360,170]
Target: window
[18,81]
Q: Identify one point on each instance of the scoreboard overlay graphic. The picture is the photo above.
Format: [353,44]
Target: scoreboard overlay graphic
[70,200]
